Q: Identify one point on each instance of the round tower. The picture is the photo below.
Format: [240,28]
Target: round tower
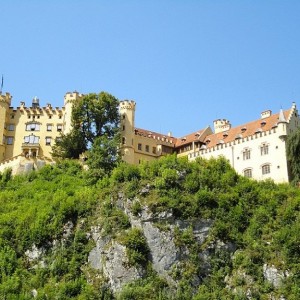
[69,100]
[127,112]
[5,102]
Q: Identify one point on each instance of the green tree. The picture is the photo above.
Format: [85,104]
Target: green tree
[94,117]
[293,154]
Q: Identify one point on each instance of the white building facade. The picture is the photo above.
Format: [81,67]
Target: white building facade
[256,149]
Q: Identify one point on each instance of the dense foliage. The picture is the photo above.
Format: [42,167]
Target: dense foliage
[293,155]
[95,127]
[260,218]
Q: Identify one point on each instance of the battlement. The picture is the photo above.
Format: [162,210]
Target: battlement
[127,104]
[221,125]
[266,114]
[6,98]
[71,96]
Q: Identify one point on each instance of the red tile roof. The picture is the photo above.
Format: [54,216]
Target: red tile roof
[244,130]
[154,135]
[192,137]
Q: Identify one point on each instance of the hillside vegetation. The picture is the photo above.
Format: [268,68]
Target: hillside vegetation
[47,219]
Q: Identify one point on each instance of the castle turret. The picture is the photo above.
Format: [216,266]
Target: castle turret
[69,100]
[127,112]
[5,102]
[282,125]
[221,125]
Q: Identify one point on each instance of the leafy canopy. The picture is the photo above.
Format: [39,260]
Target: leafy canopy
[95,127]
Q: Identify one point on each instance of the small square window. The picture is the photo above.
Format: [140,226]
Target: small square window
[49,127]
[59,127]
[9,140]
[48,141]
[11,127]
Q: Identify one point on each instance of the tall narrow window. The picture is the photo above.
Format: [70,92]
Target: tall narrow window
[246,154]
[147,148]
[49,127]
[264,149]
[139,146]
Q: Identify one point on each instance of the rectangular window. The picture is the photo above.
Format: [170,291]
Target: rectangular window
[59,127]
[140,147]
[49,127]
[147,148]
[31,139]
[154,150]
[266,169]
[32,127]
[264,149]
[11,127]
[246,154]
[9,140]
[48,141]
[123,140]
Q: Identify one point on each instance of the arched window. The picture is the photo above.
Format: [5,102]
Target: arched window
[266,169]
[248,173]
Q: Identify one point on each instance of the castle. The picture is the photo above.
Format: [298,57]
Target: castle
[27,133]
[256,149]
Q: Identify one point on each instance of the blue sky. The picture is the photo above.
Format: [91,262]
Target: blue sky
[185,63]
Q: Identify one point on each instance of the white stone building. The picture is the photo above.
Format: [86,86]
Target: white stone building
[256,149]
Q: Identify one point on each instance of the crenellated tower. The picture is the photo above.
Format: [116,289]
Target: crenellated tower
[69,100]
[5,102]
[127,113]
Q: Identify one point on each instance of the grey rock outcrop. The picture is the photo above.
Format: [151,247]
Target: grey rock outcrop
[116,267]
[273,275]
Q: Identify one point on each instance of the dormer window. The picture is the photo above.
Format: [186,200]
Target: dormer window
[183,139]
[263,123]
[259,130]
[207,141]
[220,142]
[197,134]
[238,137]
[243,129]
[225,134]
